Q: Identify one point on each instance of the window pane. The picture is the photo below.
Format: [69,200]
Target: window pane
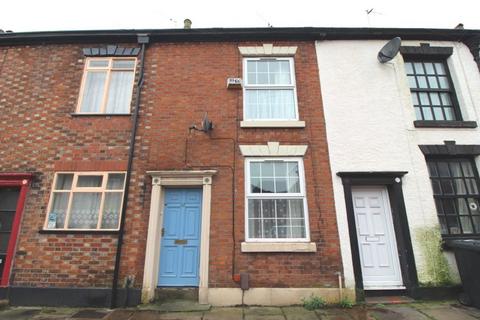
[124,64]
[467,169]
[476,223]
[255,228]
[254,208]
[415,99]
[460,187]
[449,114]
[89,181]
[453,224]
[422,82]
[93,90]
[281,185]
[436,187]
[98,63]
[443,169]
[438,113]
[455,169]
[111,210]
[268,208]
[255,185]
[84,212]
[471,186]
[120,92]
[466,224]
[427,114]
[280,169]
[443,82]
[408,67]
[255,169]
[432,169]
[268,185]
[58,210]
[474,206]
[419,68]
[432,82]
[270,104]
[424,99]
[412,82]
[8,199]
[418,113]
[282,208]
[267,169]
[440,68]
[447,187]
[296,208]
[269,228]
[115,181]
[64,182]
[429,68]
[294,185]
[435,99]
[462,206]
[446,101]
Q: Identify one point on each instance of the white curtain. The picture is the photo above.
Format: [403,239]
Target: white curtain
[120,92]
[84,212]
[270,104]
[93,91]
[111,210]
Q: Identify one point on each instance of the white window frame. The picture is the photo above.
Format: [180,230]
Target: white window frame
[74,189]
[293,85]
[108,69]
[301,194]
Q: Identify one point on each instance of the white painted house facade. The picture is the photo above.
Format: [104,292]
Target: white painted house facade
[403,145]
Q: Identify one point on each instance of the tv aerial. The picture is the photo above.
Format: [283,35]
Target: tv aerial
[389,50]
[206,126]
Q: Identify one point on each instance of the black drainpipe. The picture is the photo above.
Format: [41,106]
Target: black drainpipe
[142,39]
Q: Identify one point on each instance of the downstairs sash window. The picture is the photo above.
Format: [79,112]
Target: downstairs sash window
[276,203]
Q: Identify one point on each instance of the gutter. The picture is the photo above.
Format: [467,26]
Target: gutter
[142,39]
[236,34]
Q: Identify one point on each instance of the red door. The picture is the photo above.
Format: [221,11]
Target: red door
[13,190]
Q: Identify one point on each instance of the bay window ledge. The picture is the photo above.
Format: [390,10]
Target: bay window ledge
[272,124]
[279,247]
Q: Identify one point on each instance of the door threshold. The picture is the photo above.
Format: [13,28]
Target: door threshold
[385,293]
[385,288]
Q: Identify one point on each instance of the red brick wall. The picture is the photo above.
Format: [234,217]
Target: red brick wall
[39,86]
[182,81]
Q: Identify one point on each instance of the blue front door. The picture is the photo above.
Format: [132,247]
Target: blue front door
[180,244]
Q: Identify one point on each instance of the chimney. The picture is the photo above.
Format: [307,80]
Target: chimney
[187,24]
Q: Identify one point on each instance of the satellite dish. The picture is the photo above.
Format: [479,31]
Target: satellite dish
[207,125]
[390,50]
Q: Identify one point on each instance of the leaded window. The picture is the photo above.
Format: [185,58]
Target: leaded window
[455,187]
[276,202]
[432,91]
[87,200]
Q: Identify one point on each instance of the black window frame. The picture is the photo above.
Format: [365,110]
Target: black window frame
[440,197]
[451,91]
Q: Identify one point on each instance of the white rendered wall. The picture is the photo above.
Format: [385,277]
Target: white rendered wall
[369,118]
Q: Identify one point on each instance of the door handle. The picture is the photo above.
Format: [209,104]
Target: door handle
[181,241]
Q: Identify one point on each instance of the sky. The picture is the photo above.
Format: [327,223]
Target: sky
[52,15]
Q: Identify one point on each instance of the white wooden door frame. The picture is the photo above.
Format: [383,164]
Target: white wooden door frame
[160,180]
[390,229]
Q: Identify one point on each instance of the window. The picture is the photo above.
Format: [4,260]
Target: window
[269,89]
[275,200]
[455,189]
[432,91]
[107,86]
[87,200]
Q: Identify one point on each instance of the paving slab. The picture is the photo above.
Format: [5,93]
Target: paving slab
[180,316]
[19,314]
[89,314]
[397,313]
[299,313]
[263,313]
[332,314]
[224,313]
[176,306]
[446,313]
[470,310]
[119,314]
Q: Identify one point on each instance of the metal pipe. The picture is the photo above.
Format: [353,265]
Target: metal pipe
[142,39]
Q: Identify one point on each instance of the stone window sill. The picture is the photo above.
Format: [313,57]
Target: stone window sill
[279,247]
[63,231]
[73,114]
[444,124]
[272,124]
